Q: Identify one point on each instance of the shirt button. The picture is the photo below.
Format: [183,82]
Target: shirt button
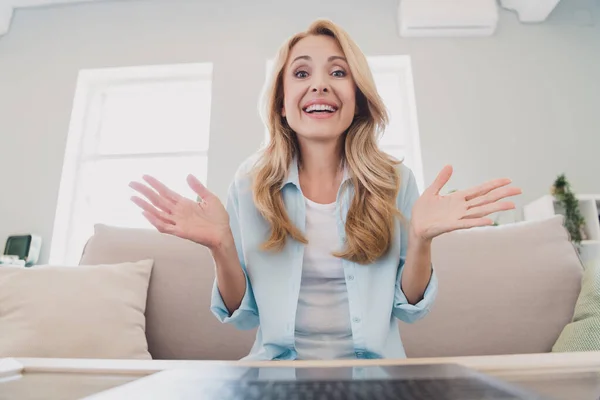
[350,277]
[356,319]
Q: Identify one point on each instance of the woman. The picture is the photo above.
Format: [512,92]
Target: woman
[325,240]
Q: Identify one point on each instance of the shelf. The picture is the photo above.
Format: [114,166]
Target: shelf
[590,242]
[589,206]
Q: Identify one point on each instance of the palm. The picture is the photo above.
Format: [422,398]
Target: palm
[205,222]
[433,214]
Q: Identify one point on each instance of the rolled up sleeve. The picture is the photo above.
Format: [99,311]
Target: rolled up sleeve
[407,312]
[246,316]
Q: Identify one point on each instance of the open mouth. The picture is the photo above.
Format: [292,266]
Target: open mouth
[320,109]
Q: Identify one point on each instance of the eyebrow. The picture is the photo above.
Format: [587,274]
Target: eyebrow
[330,59]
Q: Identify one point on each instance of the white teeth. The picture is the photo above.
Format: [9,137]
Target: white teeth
[319,107]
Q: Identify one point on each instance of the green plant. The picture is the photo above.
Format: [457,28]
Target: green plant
[574,221]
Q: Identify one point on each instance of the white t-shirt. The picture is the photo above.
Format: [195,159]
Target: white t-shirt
[323,329]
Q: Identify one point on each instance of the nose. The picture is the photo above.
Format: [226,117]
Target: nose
[320,88]
[320,84]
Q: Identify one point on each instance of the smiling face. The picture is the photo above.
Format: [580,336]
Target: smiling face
[319,92]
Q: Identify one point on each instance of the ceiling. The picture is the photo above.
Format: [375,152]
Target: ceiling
[7,7]
[37,3]
[527,10]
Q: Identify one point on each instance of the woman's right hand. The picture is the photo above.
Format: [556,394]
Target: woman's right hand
[205,222]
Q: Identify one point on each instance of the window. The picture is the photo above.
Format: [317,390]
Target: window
[394,82]
[127,122]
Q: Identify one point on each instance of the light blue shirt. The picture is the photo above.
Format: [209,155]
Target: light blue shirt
[273,279]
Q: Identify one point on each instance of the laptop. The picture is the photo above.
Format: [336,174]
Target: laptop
[405,382]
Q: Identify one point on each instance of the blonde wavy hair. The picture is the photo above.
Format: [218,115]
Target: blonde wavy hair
[370,219]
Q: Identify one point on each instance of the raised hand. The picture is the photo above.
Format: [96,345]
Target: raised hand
[205,222]
[433,214]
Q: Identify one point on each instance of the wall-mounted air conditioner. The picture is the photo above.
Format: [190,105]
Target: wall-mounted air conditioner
[430,18]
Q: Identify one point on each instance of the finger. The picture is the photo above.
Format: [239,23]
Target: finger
[158,201]
[442,178]
[160,225]
[198,187]
[484,188]
[493,196]
[482,211]
[162,189]
[150,209]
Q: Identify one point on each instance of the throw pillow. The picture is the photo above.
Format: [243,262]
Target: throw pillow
[179,324]
[88,311]
[583,333]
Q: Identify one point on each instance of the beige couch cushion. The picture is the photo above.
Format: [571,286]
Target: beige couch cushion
[503,290]
[74,312]
[179,324]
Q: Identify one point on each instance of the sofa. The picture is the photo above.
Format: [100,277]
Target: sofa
[504,289]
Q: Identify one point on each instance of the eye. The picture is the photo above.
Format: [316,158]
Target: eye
[301,74]
[340,73]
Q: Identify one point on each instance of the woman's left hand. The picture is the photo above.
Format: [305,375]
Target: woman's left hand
[433,214]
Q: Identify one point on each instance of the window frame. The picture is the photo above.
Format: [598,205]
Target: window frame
[402,65]
[85,119]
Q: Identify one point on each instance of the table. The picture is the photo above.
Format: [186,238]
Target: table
[572,376]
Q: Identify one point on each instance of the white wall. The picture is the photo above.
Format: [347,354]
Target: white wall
[524,103]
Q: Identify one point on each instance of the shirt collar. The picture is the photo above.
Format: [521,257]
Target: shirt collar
[294,178]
